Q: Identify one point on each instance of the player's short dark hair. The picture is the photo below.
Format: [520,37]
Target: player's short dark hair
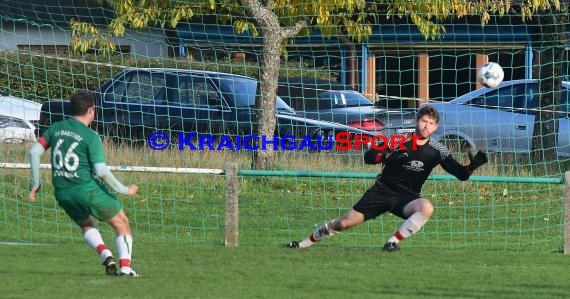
[81,100]
[429,111]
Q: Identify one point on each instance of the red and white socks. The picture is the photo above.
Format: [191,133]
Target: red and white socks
[411,226]
[93,238]
[125,247]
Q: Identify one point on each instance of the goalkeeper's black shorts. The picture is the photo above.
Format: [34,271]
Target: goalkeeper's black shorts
[380,199]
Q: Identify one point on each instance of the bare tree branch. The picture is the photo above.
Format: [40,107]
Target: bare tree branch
[294,31]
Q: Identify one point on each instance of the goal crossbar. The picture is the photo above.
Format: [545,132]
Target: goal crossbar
[320,174]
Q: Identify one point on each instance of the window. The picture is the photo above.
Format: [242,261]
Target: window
[146,88]
[198,91]
[186,96]
[240,92]
[117,92]
[532,98]
[515,98]
[341,99]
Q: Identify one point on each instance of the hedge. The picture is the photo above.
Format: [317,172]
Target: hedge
[40,77]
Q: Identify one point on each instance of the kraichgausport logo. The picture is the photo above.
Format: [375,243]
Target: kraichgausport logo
[342,141]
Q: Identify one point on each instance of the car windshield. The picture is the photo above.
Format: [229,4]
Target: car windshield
[243,90]
[341,99]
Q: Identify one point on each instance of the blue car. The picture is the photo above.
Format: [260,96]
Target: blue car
[137,102]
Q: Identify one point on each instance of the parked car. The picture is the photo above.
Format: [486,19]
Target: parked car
[333,102]
[17,119]
[140,101]
[16,130]
[500,119]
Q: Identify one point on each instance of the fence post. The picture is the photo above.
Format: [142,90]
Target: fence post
[232,186]
[567,213]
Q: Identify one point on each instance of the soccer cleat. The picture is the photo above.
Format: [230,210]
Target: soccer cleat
[129,272]
[292,244]
[110,266]
[391,246]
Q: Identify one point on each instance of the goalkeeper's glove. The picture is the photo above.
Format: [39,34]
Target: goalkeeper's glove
[373,156]
[476,161]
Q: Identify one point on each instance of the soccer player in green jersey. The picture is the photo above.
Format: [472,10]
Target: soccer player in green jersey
[78,172]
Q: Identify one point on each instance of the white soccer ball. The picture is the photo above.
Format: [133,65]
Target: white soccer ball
[490,74]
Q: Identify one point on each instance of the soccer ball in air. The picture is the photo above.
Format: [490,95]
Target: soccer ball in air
[490,74]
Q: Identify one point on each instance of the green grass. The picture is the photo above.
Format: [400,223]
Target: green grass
[70,270]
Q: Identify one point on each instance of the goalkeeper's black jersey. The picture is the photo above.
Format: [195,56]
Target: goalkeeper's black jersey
[411,169]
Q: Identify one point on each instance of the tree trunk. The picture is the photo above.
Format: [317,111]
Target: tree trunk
[552,40]
[273,36]
[265,104]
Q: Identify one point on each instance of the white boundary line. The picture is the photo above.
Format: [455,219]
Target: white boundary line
[21,244]
[130,168]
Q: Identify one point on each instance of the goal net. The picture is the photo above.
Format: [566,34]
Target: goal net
[511,203]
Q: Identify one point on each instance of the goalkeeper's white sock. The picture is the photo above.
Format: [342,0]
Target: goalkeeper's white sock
[411,226]
[93,238]
[125,248]
[320,233]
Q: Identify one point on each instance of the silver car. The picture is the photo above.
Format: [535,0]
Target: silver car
[17,118]
[500,119]
[351,108]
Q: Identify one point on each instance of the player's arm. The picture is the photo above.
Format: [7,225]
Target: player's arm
[102,171]
[463,172]
[34,154]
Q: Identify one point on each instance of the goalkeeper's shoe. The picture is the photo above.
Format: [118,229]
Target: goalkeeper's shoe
[110,266]
[391,246]
[293,244]
[128,272]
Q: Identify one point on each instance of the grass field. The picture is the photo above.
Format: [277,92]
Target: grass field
[485,239]
[175,271]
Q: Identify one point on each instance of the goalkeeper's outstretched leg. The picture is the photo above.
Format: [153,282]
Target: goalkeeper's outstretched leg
[350,219]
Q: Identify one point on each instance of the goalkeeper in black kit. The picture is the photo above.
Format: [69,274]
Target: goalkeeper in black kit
[398,188]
